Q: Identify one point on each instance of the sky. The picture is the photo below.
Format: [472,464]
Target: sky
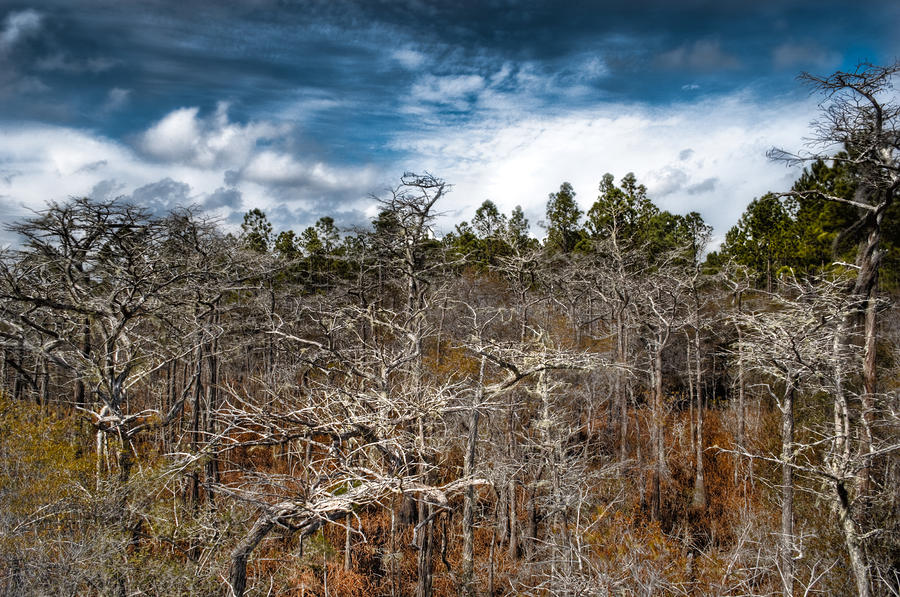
[306,109]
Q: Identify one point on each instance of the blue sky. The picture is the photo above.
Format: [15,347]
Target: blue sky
[306,109]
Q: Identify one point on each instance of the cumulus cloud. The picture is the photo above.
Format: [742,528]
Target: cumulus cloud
[44,163]
[666,181]
[187,157]
[163,195]
[223,197]
[17,25]
[276,168]
[106,190]
[183,136]
[175,137]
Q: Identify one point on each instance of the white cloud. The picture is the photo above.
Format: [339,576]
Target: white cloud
[667,180]
[19,25]
[594,67]
[448,89]
[53,163]
[43,163]
[175,137]
[520,162]
[275,168]
[409,58]
[182,136]
[707,156]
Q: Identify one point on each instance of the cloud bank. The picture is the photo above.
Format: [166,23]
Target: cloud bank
[706,156]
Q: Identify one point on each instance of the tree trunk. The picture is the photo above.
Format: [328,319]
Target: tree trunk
[870,387]
[620,397]
[212,406]
[393,559]
[44,395]
[690,377]
[742,410]
[531,531]
[80,398]
[426,551]
[657,438]
[237,576]
[853,541]
[468,552]
[699,498]
[787,490]
[513,520]
[348,559]
[843,468]
[869,260]
[196,407]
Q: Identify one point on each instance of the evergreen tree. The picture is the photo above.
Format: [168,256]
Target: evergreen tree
[518,230]
[286,245]
[563,220]
[764,239]
[621,214]
[256,231]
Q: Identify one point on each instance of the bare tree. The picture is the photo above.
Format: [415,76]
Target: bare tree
[98,290]
[662,314]
[861,116]
[103,292]
[800,344]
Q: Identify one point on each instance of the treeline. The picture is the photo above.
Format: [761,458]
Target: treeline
[385,412]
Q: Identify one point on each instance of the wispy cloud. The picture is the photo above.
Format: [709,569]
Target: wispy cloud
[116,98]
[18,25]
[62,63]
[456,90]
[409,58]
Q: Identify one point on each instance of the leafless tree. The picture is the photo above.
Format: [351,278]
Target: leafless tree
[861,116]
[801,344]
[105,293]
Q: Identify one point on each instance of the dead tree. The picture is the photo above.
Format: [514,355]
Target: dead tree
[861,115]
[662,314]
[103,292]
[800,344]
[99,290]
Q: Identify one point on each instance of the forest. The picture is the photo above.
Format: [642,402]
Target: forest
[612,410]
